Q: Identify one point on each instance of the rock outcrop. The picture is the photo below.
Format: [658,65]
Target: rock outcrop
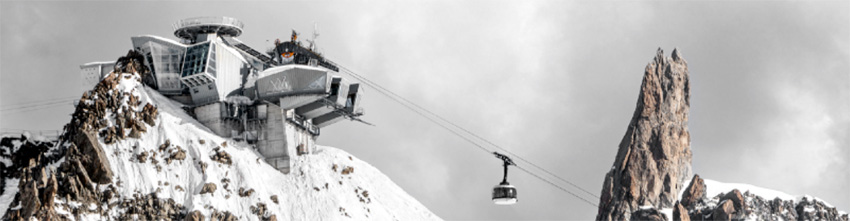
[694,192]
[654,157]
[734,205]
[680,213]
[86,165]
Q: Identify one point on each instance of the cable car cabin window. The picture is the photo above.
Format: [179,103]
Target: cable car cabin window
[504,193]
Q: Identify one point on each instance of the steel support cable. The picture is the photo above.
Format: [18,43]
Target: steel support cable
[385,92]
[34,107]
[556,185]
[15,129]
[41,101]
[38,106]
[435,122]
[350,72]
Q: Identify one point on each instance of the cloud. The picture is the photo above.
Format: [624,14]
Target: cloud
[555,82]
[798,149]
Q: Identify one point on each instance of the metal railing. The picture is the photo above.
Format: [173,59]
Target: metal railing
[196,21]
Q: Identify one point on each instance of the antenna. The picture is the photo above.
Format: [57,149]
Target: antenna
[313,46]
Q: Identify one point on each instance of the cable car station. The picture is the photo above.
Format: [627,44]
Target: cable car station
[278,101]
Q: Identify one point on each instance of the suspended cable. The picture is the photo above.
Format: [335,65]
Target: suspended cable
[35,107]
[13,129]
[469,132]
[559,187]
[38,102]
[465,130]
[405,102]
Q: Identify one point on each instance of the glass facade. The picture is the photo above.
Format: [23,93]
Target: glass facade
[165,61]
[196,59]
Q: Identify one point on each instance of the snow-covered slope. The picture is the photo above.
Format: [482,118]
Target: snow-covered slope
[181,160]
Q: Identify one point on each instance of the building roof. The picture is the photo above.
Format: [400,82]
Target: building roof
[97,63]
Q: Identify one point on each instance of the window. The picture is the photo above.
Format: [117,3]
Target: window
[196,59]
[194,90]
[210,86]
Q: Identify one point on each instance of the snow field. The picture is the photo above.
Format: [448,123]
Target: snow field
[312,191]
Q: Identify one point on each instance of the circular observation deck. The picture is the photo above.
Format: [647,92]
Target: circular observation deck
[190,27]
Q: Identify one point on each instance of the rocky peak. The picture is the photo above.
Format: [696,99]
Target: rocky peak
[654,157]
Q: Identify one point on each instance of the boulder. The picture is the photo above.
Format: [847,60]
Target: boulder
[737,199]
[179,154]
[245,193]
[194,216]
[221,156]
[694,192]
[208,188]
[94,158]
[725,211]
[149,114]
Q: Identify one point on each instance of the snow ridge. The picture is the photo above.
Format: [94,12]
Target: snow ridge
[179,160]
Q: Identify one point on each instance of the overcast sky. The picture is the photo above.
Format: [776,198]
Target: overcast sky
[555,82]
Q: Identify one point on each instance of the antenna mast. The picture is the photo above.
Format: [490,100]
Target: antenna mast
[313,46]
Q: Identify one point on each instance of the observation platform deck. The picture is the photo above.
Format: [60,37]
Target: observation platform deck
[190,27]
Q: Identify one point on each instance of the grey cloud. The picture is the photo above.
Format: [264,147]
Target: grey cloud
[553,81]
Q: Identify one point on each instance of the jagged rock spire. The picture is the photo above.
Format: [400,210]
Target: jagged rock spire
[654,157]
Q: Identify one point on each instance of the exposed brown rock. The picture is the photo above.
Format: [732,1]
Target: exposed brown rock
[208,188]
[347,170]
[650,214]
[149,114]
[245,193]
[725,211]
[274,199]
[654,157]
[29,199]
[203,166]
[195,216]
[179,154]
[680,213]
[221,156]
[737,199]
[164,146]
[50,191]
[94,158]
[134,133]
[222,216]
[142,157]
[259,210]
[694,192]
[151,207]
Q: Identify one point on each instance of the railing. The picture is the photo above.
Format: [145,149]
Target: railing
[207,21]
